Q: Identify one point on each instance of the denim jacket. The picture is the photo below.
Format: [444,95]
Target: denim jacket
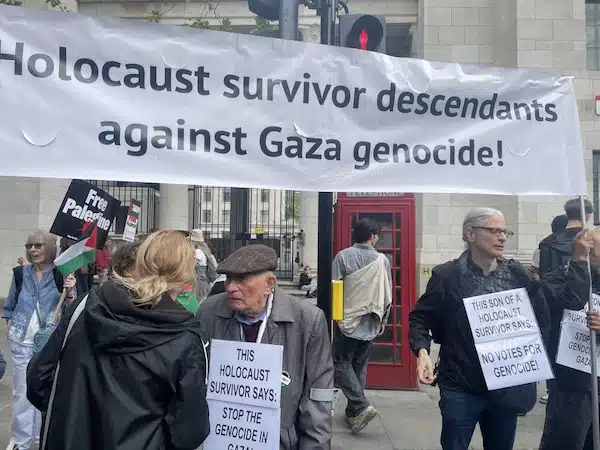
[20,310]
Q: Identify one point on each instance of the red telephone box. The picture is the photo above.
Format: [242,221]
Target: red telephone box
[391,364]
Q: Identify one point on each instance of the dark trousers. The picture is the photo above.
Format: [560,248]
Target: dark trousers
[568,419]
[589,440]
[462,411]
[350,357]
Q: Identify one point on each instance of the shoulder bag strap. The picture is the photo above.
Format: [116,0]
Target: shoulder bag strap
[72,321]
[18,274]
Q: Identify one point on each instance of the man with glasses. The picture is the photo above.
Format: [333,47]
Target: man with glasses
[465,398]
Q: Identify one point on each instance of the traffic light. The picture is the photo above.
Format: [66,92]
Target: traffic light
[363,32]
[267,9]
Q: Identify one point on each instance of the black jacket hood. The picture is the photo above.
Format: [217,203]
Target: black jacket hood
[561,240]
[115,325]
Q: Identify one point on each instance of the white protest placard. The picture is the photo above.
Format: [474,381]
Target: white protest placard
[172,104]
[244,395]
[574,348]
[245,373]
[240,427]
[131,222]
[507,338]
[514,361]
[506,314]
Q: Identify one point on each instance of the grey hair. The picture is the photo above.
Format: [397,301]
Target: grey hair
[477,217]
[49,241]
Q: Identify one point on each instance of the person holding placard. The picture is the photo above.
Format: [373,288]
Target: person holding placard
[254,309]
[569,410]
[465,398]
[593,318]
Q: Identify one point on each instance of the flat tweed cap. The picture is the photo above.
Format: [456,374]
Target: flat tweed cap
[253,258]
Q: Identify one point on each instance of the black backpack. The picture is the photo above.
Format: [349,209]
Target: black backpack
[18,274]
[554,254]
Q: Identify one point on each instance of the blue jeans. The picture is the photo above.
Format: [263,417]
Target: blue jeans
[462,411]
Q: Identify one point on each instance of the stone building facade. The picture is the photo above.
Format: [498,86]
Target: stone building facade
[560,36]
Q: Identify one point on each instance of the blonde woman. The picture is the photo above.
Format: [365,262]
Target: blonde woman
[132,371]
[206,264]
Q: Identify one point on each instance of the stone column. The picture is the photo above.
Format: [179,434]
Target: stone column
[173,210]
[551,39]
[309,209]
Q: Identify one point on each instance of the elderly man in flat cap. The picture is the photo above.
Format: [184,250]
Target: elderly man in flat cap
[255,309]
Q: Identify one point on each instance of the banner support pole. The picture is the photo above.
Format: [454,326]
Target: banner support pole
[594,365]
[288,19]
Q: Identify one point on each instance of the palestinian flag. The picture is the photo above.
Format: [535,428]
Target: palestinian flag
[79,254]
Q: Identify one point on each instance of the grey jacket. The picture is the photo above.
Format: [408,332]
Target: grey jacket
[301,329]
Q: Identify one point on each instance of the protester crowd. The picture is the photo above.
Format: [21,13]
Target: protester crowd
[115,356]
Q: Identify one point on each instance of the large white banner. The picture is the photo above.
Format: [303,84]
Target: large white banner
[507,338]
[104,98]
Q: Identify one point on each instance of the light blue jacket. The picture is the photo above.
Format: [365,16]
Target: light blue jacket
[20,310]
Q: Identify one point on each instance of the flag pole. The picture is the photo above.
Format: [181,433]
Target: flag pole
[56,312]
[593,352]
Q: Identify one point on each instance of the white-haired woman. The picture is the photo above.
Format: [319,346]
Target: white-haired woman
[465,399]
[33,296]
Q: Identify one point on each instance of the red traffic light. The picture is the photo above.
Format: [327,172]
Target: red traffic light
[366,33]
[364,38]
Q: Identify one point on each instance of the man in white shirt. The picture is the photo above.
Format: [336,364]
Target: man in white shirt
[367,303]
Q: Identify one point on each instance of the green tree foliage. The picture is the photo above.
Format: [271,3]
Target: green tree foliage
[54,3]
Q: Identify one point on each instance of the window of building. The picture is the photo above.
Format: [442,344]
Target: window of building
[226,217]
[592,33]
[596,186]
[207,216]
[227,195]
[207,194]
[265,194]
[264,216]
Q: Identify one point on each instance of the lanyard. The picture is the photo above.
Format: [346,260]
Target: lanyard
[263,325]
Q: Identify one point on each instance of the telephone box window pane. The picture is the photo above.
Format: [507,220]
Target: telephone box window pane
[398,315]
[386,240]
[382,354]
[399,354]
[387,336]
[399,335]
[385,220]
[398,278]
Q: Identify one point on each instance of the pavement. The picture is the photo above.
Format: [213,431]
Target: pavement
[407,420]
[410,420]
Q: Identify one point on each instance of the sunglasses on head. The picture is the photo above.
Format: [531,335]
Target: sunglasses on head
[37,246]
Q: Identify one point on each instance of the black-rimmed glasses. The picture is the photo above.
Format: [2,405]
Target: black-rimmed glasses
[497,231]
